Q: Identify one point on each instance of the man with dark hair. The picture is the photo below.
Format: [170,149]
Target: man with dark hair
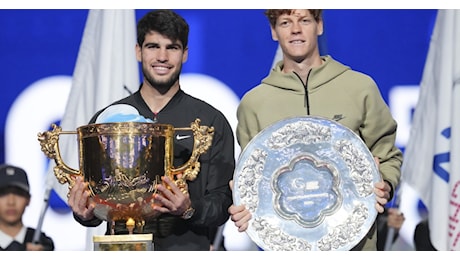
[187,219]
[14,199]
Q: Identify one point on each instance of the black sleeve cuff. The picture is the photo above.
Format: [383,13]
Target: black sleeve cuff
[94,222]
[391,190]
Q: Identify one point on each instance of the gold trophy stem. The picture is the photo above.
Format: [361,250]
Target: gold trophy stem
[140,226]
[130,223]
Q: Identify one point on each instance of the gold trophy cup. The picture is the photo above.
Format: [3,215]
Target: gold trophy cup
[122,162]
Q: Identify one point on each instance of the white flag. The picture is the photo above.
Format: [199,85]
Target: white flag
[432,156]
[106,70]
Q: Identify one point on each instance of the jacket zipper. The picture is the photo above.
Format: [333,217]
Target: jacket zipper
[305,86]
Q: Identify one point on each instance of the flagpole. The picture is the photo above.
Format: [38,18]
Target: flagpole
[391,230]
[106,71]
[38,229]
[218,238]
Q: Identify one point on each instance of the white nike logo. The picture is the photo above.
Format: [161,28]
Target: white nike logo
[181,137]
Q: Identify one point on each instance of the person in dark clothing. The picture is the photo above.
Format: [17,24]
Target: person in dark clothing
[390,219]
[14,199]
[186,219]
[422,240]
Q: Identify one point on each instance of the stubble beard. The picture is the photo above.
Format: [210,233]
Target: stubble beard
[162,86]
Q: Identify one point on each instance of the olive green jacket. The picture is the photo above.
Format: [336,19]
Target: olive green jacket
[333,91]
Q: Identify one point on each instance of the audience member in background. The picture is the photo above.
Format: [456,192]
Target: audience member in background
[422,240]
[390,220]
[14,199]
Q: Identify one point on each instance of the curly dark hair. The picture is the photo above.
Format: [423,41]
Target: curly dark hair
[165,22]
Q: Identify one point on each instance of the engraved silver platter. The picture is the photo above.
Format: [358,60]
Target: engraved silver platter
[308,183]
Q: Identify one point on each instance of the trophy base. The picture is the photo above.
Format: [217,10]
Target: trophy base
[133,242]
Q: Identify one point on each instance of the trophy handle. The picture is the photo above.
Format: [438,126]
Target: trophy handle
[202,141]
[49,142]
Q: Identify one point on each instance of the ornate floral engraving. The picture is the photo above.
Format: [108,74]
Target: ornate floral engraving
[277,240]
[346,232]
[250,177]
[308,182]
[360,168]
[299,132]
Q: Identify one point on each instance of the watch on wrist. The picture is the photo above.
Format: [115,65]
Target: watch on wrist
[188,213]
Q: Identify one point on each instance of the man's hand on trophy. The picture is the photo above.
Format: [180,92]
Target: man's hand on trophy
[173,200]
[79,199]
[240,215]
[382,191]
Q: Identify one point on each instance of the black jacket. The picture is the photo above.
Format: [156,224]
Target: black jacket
[44,240]
[209,192]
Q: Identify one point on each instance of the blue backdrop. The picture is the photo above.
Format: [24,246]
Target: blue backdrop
[233,46]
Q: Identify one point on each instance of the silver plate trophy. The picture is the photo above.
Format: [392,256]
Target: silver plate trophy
[308,183]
